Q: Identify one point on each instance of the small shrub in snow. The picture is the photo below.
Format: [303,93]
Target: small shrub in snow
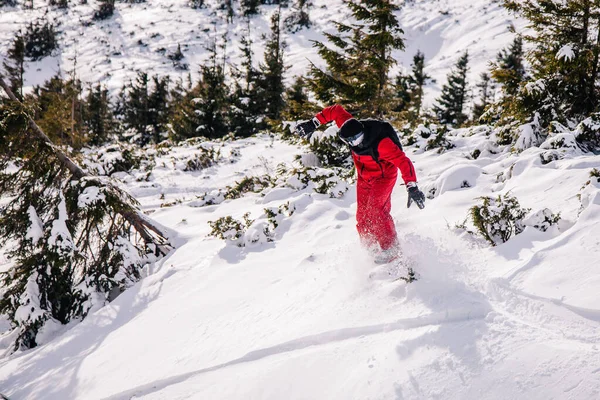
[254,184]
[497,220]
[117,158]
[439,140]
[202,159]
[333,182]
[542,220]
[587,133]
[230,229]
[331,152]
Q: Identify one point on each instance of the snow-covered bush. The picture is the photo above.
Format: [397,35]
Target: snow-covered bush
[254,184]
[249,232]
[230,229]
[439,139]
[119,157]
[590,192]
[542,220]
[334,182]
[587,133]
[202,158]
[498,219]
[428,137]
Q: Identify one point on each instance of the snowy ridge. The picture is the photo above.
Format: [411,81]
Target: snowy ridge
[298,317]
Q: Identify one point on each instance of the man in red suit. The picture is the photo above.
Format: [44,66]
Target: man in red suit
[377,155]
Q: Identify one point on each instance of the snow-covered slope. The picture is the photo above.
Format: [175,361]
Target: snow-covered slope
[299,317]
[141,36]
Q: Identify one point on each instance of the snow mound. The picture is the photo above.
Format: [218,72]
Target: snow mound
[455,178]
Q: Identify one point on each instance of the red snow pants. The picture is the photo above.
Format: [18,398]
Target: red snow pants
[373,220]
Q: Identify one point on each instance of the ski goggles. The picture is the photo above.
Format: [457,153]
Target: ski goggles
[354,140]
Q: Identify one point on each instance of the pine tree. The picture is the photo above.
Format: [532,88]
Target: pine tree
[98,117]
[249,7]
[357,73]
[59,110]
[14,65]
[298,104]
[76,240]
[486,90]
[565,54]
[299,18]
[416,82]
[106,9]
[183,118]
[211,103]
[245,115]
[145,109]
[196,4]
[402,93]
[40,40]
[270,83]
[509,70]
[450,104]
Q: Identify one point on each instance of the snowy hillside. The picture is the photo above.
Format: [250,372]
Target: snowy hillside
[297,316]
[140,37]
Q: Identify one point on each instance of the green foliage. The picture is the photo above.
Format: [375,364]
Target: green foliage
[59,111]
[40,40]
[248,184]
[509,70]
[14,65]
[450,105]
[270,83]
[358,65]
[415,83]
[98,118]
[587,133]
[439,140]
[486,90]
[202,159]
[331,152]
[229,228]
[497,220]
[144,108]
[565,51]
[71,249]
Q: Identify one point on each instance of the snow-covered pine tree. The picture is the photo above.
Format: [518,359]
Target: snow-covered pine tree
[416,82]
[105,10]
[75,241]
[8,3]
[486,88]
[244,115]
[211,104]
[298,104]
[564,57]
[508,69]
[98,118]
[58,110]
[183,119]
[357,71]
[14,65]
[145,109]
[449,107]
[271,86]
[40,40]
[197,4]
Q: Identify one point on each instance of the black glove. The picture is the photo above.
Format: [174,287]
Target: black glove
[414,194]
[305,129]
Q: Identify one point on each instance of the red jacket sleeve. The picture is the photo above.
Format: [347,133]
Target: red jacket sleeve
[389,151]
[335,113]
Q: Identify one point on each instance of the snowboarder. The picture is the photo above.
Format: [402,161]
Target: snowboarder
[377,155]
